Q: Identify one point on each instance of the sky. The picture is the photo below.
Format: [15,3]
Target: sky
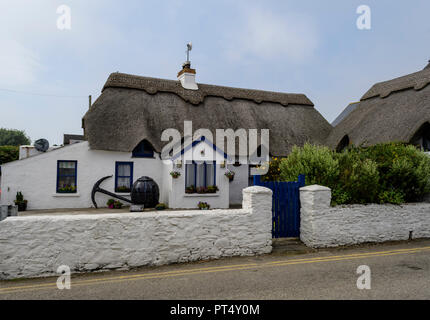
[301,46]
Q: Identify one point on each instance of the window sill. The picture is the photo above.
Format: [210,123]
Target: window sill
[201,195]
[66,195]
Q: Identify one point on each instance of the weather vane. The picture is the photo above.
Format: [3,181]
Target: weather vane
[189,48]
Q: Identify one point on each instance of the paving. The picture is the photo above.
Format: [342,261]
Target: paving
[399,270]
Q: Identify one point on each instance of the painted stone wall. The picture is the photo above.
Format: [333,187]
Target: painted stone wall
[36,177]
[325,226]
[35,246]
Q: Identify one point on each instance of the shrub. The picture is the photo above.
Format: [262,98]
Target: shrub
[384,173]
[316,162]
[274,170]
[391,196]
[8,154]
[161,206]
[203,205]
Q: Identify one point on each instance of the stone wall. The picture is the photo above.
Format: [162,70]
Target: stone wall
[325,226]
[35,246]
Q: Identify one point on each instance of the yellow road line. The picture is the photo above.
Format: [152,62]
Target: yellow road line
[167,274]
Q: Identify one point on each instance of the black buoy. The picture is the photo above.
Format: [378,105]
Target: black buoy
[145,192]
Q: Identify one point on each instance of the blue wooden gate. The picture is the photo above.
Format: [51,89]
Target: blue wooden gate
[285,206]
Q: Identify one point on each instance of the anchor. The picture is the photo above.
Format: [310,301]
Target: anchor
[97,188]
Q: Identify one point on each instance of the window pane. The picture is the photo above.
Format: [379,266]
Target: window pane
[66,182]
[67,172]
[210,178]
[67,165]
[123,182]
[189,179]
[200,175]
[124,170]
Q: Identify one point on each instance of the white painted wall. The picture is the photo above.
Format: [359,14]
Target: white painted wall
[239,183]
[34,246]
[177,196]
[36,177]
[325,226]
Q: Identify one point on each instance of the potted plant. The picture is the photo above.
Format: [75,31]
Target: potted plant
[175,174]
[190,189]
[202,190]
[230,175]
[117,204]
[67,189]
[20,202]
[161,206]
[212,189]
[203,205]
[123,189]
[111,203]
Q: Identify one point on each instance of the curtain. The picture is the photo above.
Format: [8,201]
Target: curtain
[189,179]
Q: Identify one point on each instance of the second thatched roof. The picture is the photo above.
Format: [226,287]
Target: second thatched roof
[390,111]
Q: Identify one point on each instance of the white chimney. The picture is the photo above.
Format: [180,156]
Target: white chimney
[187,77]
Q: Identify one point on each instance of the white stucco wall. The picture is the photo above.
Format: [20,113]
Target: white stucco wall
[179,199]
[325,226]
[177,196]
[34,246]
[239,183]
[36,177]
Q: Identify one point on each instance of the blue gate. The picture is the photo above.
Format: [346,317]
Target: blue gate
[285,206]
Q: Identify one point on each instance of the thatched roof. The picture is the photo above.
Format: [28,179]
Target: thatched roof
[390,111]
[132,108]
[68,137]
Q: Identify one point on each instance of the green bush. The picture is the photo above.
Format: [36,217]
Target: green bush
[384,173]
[316,162]
[8,154]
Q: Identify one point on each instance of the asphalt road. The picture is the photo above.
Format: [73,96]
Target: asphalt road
[398,271]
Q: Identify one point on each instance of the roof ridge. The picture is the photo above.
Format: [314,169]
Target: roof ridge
[153,85]
[416,80]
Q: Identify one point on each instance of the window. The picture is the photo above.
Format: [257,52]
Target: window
[123,176]
[200,174]
[143,150]
[67,176]
[422,137]
[343,144]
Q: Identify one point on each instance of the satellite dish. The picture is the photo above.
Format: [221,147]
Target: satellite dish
[41,145]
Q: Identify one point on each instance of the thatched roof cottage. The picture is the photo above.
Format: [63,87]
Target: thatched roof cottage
[123,131]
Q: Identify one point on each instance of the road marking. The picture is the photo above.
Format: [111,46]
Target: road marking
[167,274]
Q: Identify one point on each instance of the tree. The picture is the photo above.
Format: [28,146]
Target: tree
[8,154]
[13,137]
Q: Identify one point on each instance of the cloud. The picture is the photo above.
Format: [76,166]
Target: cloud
[18,64]
[267,35]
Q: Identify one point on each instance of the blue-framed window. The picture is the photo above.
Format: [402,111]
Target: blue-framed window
[200,174]
[123,176]
[67,174]
[143,150]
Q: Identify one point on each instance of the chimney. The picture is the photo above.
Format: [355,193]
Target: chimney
[187,76]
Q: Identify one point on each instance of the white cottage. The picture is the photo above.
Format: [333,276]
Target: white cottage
[123,129]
